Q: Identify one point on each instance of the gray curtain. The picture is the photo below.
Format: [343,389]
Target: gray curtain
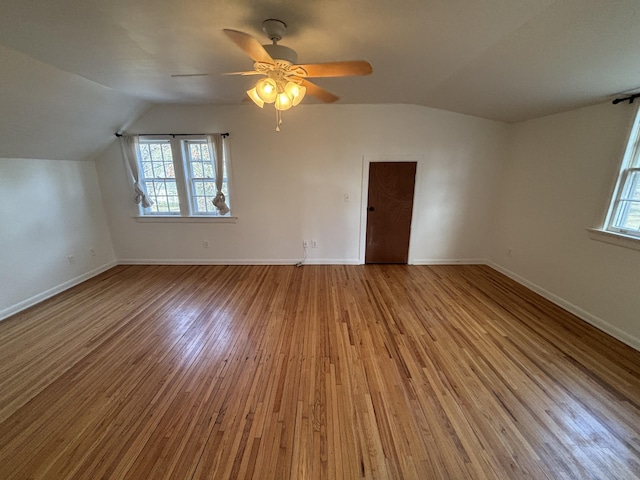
[129,144]
[217,149]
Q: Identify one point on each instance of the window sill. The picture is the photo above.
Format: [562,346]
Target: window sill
[614,238]
[178,219]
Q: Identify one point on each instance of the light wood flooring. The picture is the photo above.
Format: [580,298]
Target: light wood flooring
[319,372]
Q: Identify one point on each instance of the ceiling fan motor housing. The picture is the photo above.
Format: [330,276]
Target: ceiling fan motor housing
[280,52]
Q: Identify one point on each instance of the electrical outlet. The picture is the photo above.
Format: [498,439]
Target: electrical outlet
[71,259]
[205,244]
[305,243]
[314,244]
[92,252]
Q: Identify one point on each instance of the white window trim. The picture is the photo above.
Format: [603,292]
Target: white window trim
[183,186]
[606,232]
[614,238]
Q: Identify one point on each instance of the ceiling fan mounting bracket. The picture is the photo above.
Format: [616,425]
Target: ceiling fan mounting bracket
[275,29]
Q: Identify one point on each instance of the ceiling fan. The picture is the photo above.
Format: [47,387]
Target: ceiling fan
[285,82]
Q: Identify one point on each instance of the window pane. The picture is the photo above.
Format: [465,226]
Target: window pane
[172,188]
[169,170]
[633,220]
[158,170]
[147,169]
[632,191]
[199,188]
[208,170]
[163,204]
[144,152]
[174,204]
[166,151]
[197,170]
[628,217]
[156,152]
[201,204]
[194,149]
[205,153]
[151,191]
[210,189]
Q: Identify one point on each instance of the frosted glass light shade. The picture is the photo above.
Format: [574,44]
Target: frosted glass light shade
[283,101]
[267,90]
[253,95]
[295,92]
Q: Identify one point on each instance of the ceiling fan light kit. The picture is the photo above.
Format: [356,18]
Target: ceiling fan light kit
[285,83]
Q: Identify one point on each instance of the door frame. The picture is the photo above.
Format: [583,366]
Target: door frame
[364,198]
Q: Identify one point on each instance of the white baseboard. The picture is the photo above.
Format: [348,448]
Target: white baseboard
[290,261]
[570,307]
[255,261]
[331,261]
[29,302]
[200,261]
[448,261]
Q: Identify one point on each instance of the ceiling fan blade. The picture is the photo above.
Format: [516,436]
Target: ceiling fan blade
[182,75]
[318,92]
[337,69]
[249,45]
[250,72]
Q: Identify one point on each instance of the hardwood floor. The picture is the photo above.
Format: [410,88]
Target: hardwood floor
[193,372]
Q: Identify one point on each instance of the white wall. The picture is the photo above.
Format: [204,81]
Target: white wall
[559,175]
[290,186]
[49,209]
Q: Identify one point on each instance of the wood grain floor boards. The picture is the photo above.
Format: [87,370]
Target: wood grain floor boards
[319,372]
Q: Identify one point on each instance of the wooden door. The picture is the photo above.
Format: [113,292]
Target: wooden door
[389,210]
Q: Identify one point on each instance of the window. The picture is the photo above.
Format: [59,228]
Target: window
[624,212]
[203,186]
[159,176]
[178,175]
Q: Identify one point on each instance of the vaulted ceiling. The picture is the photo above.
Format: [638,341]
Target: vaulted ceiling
[73,71]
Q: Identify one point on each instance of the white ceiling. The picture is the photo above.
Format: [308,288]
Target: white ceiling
[506,60]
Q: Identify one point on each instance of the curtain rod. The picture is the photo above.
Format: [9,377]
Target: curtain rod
[174,135]
[630,99]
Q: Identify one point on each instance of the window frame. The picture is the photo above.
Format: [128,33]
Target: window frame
[187,199]
[629,166]
[145,181]
[623,201]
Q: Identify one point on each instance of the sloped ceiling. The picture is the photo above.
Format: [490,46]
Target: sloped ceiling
[73,71]
[50,114]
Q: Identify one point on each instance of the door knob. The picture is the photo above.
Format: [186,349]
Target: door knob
[371,209]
